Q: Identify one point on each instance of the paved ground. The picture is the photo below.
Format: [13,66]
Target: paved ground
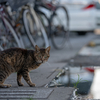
[91,52]
[89,55]
[71,49]
[46,72]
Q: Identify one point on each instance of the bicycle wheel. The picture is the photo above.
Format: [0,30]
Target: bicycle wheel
[8,36]
[36,35]
[45,21]
[59,27]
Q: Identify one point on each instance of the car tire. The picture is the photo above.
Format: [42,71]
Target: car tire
[81,33]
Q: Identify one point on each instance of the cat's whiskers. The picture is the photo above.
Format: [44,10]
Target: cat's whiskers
[48,64]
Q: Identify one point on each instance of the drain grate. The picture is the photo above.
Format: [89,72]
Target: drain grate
[25,94]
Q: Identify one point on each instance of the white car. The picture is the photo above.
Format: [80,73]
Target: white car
[84,15]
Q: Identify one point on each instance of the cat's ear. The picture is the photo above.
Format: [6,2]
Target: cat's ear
[48,49]
[37,48]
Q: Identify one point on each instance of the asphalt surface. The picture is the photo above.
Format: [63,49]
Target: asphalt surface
[71,49]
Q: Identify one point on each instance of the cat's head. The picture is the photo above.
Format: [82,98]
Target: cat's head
[41,55]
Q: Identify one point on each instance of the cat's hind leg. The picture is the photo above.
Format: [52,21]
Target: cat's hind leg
[3,76]
[5,85]
[19,76]
[5,71]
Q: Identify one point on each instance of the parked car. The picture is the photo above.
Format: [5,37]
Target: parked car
[97,5]
[84,15]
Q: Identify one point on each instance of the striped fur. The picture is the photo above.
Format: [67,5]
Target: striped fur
[21,61]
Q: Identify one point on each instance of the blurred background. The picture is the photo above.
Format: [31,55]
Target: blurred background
[84,15]
[83,24]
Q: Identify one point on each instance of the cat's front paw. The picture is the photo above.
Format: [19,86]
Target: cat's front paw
[32,85]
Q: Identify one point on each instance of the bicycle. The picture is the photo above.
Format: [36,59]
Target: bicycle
[33,26]
[9,35]
[57,29]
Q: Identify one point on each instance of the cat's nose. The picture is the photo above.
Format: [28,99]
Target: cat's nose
[43,59]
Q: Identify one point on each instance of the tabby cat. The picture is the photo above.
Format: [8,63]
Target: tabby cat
[21,61]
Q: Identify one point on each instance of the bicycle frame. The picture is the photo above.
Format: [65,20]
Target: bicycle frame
[50,5]
[53,6]
[30,7]
[36,19]
[46,5]
[4,15]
